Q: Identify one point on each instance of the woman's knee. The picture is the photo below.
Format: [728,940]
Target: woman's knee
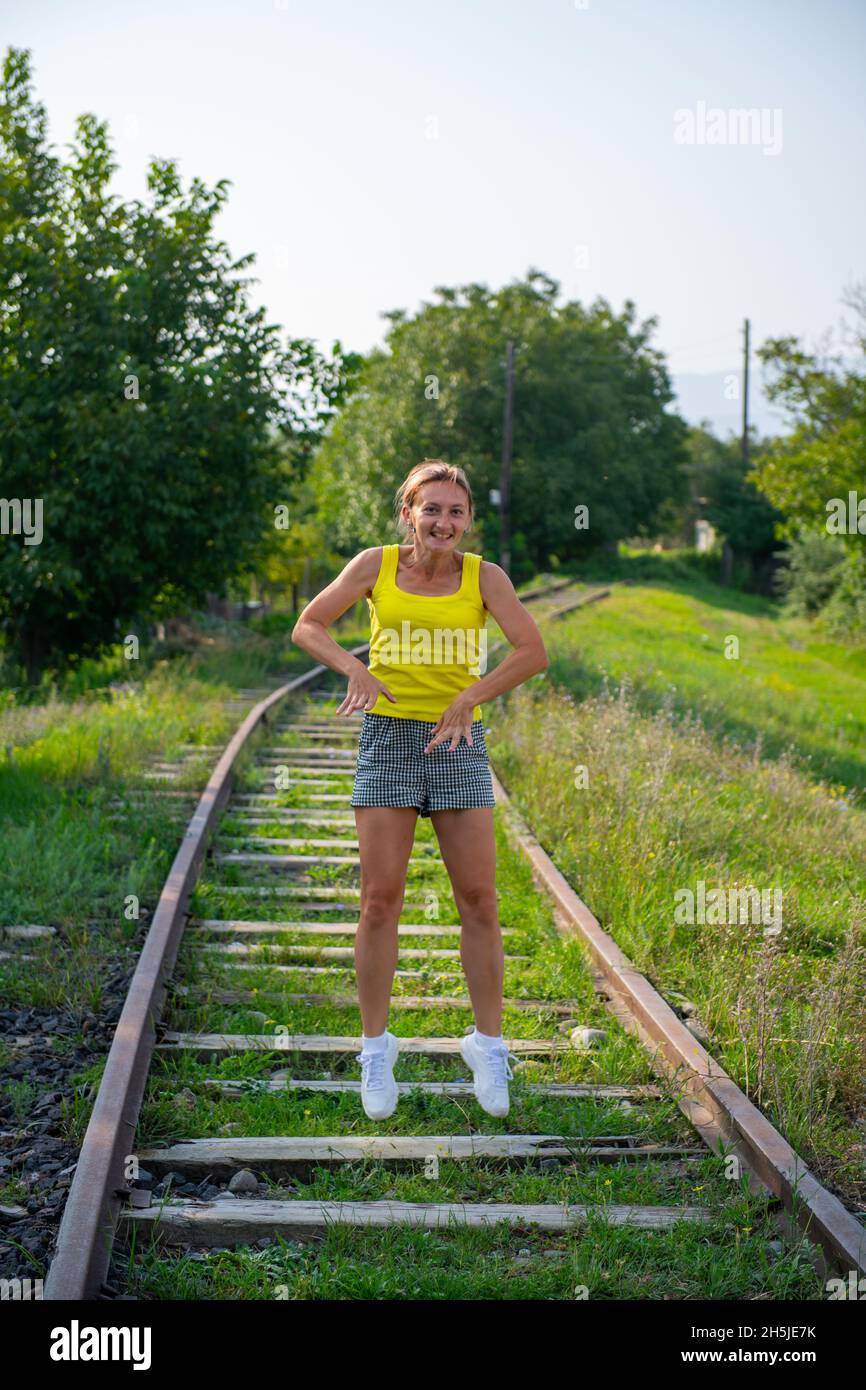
[381,906]
[480,903]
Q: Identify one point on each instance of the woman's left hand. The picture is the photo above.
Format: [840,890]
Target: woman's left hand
[455,723]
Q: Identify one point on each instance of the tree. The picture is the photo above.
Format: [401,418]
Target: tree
[296,549]
[739,513]
[142,401]
[823,458]
[590,425]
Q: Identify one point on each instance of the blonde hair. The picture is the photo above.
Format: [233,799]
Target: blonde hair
[429,471]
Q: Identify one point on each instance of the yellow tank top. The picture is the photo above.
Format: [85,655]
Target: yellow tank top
[426,649]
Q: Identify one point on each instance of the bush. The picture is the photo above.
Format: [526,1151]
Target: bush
[822,581]
[811,573]
[274,624]
[653,565]
[844,615]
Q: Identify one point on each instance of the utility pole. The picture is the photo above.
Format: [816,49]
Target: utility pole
[727,549]
[746,395]
[505,473]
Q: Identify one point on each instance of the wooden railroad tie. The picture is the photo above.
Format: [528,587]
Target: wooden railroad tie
[244,1222]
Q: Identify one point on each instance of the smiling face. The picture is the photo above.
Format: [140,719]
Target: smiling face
[440,513]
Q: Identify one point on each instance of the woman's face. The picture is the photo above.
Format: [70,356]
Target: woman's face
[440,514]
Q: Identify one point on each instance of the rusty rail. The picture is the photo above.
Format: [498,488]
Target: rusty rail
[83,1251]
[86,1233]
[709,1098]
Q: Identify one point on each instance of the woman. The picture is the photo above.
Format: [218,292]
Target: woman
[421,698]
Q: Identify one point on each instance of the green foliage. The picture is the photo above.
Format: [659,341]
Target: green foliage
[638,566]
[142,400]
[720,492]
[590,425]
[822,580]
[274,624]
[787,688]
[812,572]
[299,550]
[734,506]
[823,458]
[844,614]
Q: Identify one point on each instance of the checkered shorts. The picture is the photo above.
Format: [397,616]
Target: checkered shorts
[394,770]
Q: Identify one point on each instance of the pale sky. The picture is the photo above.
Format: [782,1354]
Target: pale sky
[378,150]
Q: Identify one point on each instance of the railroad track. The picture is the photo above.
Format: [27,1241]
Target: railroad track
[268,919]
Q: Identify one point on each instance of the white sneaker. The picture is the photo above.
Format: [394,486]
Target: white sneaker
[378,1087]
[491,1073]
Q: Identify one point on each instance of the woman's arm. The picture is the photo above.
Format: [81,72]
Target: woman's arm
[521,630]
[311,635]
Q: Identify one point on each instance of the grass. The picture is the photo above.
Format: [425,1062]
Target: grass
[697,647]
[728,1258]
[69,856]
[671,799]
[634,808]
[599,1262]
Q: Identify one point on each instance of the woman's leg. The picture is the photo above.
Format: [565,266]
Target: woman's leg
[468,846]
[386,835]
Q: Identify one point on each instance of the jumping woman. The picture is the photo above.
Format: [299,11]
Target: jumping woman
[421,698]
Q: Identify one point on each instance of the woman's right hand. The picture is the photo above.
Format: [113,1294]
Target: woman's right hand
[363,692]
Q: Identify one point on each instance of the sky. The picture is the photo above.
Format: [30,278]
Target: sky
[379,150]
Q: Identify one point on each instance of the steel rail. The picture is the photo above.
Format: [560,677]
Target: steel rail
[84,1240]
[711,1100]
